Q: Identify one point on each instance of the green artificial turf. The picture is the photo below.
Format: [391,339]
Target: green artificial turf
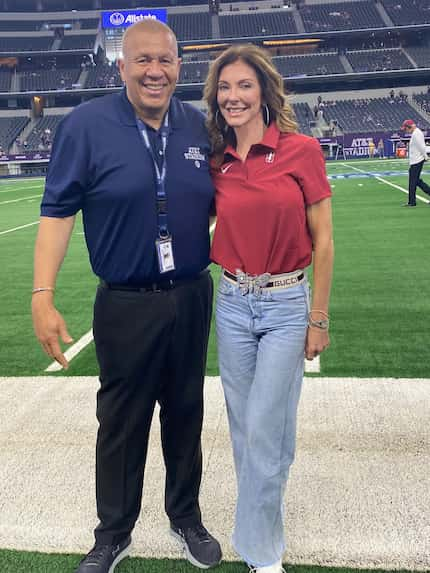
[27,562]
[379,304]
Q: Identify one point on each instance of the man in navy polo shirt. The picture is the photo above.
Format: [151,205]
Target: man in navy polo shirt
[136,164]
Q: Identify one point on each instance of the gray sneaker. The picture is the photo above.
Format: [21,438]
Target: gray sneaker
[104,558]
[201,549]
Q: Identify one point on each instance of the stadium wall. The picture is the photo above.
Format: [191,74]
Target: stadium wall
[354,94]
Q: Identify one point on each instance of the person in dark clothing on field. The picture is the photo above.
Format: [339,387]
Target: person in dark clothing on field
[136,164]
[417,156]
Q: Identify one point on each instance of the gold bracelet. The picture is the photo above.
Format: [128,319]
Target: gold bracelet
[319,324]
[320,311]
[42,289]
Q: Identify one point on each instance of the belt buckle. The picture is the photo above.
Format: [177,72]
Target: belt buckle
[260,282]
[249,284]
[242,281]
[168,285]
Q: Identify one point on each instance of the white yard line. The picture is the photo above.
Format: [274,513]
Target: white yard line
[73,351]
[313,365]
[19,188]
[21,199]
[384,181]
[84,341]
[387,160]
[17,179]
[18,228]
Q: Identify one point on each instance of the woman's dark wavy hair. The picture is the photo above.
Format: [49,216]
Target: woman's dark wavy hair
[272,94]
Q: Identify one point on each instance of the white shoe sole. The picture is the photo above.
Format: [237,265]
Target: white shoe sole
[188,555]
[122,555]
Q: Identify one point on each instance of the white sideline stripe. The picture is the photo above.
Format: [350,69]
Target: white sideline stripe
[18,228]
[21,199]
[310,365]
[19,188]
[386,160]
[313,365]
[384,181]
[72,351]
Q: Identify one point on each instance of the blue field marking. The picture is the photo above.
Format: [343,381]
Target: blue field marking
[350,176]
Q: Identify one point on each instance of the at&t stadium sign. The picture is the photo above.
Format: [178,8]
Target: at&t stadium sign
[126,18]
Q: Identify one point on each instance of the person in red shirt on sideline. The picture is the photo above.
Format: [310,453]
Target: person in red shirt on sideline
[273,212]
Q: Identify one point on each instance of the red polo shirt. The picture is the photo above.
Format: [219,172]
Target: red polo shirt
[261,204]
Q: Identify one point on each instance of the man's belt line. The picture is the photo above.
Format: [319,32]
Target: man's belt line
[155,286]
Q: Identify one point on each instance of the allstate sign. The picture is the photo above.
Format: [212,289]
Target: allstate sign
[116,19]
[126,18]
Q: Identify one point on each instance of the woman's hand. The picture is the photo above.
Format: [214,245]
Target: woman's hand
[317,340]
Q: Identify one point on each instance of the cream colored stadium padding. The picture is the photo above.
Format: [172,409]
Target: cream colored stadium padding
[359,493]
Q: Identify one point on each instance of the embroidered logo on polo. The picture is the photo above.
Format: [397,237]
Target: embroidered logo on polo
[194,154]
[270,157]
[225,168]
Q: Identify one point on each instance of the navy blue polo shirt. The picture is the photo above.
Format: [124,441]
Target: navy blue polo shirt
[100,165]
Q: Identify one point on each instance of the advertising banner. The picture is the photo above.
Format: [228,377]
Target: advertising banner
[370,144]
[23,157]
[374,144]
[125,18]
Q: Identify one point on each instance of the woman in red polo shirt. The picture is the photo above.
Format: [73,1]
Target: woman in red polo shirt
[273,217]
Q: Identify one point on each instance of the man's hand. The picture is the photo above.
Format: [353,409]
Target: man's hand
[52,240]
[49,326]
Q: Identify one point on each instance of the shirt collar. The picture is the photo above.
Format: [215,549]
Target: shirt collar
[127,115]
[270,140]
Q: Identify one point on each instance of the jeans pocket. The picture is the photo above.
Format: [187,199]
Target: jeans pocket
[225,287]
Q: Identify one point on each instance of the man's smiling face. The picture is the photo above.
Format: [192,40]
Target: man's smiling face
[150,70]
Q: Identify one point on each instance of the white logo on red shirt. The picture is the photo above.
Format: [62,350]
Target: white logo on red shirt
[270,157]
[225,168]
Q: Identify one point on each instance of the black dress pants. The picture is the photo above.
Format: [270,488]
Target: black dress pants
[416,181]
[151,346]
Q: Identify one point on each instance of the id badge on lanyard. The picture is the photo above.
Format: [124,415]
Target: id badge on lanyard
[166,261]
[164,243]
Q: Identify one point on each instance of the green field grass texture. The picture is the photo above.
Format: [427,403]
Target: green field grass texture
[27,562]
[380,301]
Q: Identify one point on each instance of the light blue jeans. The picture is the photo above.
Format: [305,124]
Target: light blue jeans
[261,343]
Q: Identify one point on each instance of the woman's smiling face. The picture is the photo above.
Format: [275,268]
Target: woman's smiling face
[239,95]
